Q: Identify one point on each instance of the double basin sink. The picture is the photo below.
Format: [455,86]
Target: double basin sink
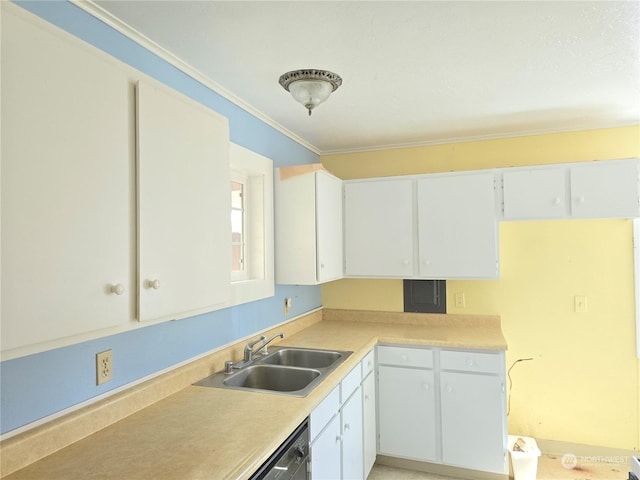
[285,370]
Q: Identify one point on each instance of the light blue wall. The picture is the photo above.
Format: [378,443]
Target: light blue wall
[35,386]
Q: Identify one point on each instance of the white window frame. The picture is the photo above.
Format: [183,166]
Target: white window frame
[257,280]
[242,179]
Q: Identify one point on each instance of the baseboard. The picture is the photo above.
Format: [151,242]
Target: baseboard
[427,467]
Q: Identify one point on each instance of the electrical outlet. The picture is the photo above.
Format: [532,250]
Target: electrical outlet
[460,301]
[104,367]
[287,305]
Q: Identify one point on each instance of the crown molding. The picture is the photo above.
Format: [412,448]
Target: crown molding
[106,17]
[475,138]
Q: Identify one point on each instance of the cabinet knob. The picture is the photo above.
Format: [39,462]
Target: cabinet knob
[322,265]
[449,389]
[155,284]
[338,438]
[118,289]
[580,199]
[556,201]
[426,386]
[347,426]
[366,397]
[405,262]
[470,362]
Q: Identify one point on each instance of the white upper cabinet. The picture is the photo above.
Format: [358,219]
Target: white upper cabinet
[309,235]
[605,189]
[379,228]
[67,186]
[457,226]
[184,205]
[534,193]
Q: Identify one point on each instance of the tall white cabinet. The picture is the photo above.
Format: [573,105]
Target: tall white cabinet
[82,135]
[184,203]
[67,186]
[309,230]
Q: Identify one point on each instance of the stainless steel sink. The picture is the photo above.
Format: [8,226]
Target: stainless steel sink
[285,370]
[305,358]
[270,377]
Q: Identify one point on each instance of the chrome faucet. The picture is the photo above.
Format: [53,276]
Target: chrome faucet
[249,352]
[267,342]
[248,349]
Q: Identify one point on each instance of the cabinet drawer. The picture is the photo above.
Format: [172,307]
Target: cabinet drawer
[324,412]
[367,364]
[350,383]
[472,361]
[405,356]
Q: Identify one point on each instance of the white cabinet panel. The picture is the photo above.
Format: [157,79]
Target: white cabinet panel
[605,189]
[309,235]
[329,235]
[352,440]
[534,194]
[473,421]
[457,226]
[369,429]
[405,356]
[67,186]
[184,205]
[407,418]
[325,452]
[379,228]
[602,189]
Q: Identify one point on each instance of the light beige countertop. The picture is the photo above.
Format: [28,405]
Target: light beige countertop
[213,433]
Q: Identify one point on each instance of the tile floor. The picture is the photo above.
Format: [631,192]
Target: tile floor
[549,468]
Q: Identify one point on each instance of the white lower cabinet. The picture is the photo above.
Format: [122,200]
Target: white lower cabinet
[325,452]
[338,429]
[407,422]
[472,421]
[443,406]
[369,428]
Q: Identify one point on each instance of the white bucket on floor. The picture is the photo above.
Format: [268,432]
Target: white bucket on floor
[524,464]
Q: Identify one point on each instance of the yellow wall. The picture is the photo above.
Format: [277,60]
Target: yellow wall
[583,385]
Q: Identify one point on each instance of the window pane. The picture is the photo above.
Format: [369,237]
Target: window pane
[236,225]
[236,195]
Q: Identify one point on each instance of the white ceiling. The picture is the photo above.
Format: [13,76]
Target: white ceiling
[413,72]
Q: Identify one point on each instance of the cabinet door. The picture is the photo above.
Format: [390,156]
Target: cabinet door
[606,189]
[352,447]
[325,452]
[457,227]
[329,237]
[379,228]
[369,422]
[184,206]
[67,186]
[534,194]
[473,421]
[407,423]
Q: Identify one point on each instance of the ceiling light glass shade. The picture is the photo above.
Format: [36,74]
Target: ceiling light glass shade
[310,87]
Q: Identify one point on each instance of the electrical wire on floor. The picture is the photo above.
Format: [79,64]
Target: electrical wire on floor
[511,382]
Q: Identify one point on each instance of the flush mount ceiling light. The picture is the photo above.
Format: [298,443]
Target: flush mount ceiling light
[310,87]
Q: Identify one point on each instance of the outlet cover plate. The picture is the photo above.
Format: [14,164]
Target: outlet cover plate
[104,367]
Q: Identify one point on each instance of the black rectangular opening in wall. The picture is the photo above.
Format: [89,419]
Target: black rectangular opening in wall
[425,296]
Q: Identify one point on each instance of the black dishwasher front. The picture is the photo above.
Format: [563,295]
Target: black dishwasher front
[290,461]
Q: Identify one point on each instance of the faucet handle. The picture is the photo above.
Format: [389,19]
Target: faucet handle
[250,345]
